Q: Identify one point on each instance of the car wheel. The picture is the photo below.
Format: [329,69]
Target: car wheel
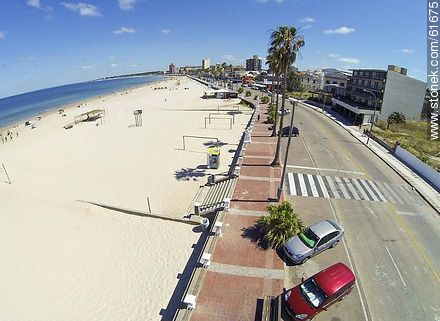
[334,244]
[305,260]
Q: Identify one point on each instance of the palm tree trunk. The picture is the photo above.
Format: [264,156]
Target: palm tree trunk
[276,160]
[275,122]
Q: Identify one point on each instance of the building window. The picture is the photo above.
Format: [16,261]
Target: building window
[341,84]
[374,74]
[327,82]
[361,73]
[368,83]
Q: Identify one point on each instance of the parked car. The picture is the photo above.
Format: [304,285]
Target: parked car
[318,292]
[286,111]
[315,239]
[285,131]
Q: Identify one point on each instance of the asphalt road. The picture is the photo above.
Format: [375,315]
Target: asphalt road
[393,245]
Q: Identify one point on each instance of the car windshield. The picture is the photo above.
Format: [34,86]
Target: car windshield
[313,293]
[308,238]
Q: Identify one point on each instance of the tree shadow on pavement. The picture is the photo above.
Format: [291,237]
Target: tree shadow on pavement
[255,235]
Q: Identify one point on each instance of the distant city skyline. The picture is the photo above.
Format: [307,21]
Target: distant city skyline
[45,43]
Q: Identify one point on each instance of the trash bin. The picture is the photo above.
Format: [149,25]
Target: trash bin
[204,224]
[213,157]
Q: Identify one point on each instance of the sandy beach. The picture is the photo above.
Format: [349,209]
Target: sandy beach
[64,258]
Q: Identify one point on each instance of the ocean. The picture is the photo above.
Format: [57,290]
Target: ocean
[21,107]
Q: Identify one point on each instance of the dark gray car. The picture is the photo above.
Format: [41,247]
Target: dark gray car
[315,239]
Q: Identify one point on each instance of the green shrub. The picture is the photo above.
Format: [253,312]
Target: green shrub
[280,225]
[271,114]
[240,90]
[248,93]
[265,100]
[255,97]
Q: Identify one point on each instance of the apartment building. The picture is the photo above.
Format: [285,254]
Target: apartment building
[312,80]
[381,92]
[254,63]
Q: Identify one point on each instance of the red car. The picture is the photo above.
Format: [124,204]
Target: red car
[318,292]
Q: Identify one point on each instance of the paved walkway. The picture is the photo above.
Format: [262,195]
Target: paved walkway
[241,273]
[418,183]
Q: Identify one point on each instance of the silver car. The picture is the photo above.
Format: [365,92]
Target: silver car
[314,239]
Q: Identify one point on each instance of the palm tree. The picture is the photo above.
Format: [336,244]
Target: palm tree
[280,225]
[396,118]
[273,60]
[286,43]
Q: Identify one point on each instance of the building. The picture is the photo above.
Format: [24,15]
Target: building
[205,64]
[189,69]
[254,63]
[312,80]
[335,82]
[172,69]
[385,91]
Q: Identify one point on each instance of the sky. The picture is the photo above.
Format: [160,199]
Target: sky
[45,43]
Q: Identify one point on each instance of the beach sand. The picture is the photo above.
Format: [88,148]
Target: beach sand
[64,258]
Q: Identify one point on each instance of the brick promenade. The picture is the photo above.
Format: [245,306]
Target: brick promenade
[241,273]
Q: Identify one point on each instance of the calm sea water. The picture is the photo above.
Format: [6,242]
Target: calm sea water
[20,107]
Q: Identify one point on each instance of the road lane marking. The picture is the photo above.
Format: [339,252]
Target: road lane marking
[351,188]
[302,185]
[341,187]
[312,186]
[395,265]
[367,188]
[376,189]
[415,241]
[291,184]
[325,169]
[322,185]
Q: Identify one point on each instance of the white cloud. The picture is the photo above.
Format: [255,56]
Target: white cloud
[84,9]
[134,66]
[307,27]
[124,30]
[342,31]
[127,4]
[2,35]
[114,65]
[350,60]
[87,67]
[306,20]
[407,51]
[228,57]
[34,3]
[165,31]
[344,59]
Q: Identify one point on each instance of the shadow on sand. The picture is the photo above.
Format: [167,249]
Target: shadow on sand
[175,302]
[186,174]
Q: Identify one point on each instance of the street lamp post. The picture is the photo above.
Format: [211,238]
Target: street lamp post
[374,112]
[281,187]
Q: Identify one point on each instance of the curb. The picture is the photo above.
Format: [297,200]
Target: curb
[427,199]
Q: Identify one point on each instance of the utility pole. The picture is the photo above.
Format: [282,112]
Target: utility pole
[374,113]
[281,187]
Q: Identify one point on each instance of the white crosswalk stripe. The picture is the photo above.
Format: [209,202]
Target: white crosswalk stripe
[291,184]
[312,185]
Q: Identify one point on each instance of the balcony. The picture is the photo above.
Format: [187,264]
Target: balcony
[353,106]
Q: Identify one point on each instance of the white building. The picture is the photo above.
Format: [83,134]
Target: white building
[312,79]
[205,64]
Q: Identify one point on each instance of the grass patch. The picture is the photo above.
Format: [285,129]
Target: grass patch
[413,137]
[300,95]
